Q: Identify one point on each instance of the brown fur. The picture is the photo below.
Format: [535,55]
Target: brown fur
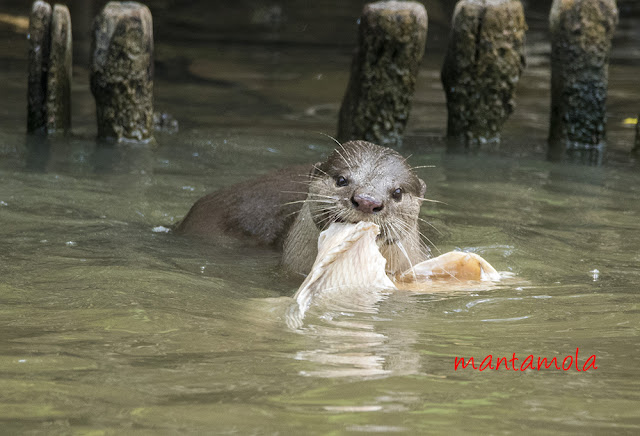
[289,208]
[261,208]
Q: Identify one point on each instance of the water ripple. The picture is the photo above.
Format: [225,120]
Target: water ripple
[506,319]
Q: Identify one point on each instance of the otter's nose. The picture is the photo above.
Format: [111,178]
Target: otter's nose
[366,203]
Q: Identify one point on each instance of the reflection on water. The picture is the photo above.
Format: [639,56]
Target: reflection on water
[343,349]
[107,326]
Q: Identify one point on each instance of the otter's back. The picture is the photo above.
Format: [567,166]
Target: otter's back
[263,208]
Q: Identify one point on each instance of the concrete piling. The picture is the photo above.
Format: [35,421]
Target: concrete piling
[39,44]
[59,76]
[581,32]
[377,102]
[122,72]
[482,67]
[50,64]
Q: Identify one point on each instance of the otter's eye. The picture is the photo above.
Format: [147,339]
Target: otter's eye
[397,194]
[342,181]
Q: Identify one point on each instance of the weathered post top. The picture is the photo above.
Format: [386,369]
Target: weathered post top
[482,66]
[122,71]
[391,42]
[50,64]
[39,43]
[60,72]
[581,33]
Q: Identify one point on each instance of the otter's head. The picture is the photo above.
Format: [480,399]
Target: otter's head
[361,181]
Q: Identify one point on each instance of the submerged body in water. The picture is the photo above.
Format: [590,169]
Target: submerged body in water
[359,181]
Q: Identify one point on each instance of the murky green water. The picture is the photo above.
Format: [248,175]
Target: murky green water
[109,327]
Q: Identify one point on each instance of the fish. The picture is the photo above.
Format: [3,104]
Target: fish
[349,272]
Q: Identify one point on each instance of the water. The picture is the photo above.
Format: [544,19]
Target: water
[110,327]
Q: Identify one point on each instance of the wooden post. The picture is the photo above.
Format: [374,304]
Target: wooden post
[376,105]
[581,32]
[482,67]
[59,76]
[50,65]
[39,44]
[122,72]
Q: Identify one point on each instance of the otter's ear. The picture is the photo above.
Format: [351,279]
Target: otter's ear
[316,171]
[423,187]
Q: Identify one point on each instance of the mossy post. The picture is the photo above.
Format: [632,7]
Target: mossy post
[581,32]
[122,72]
[59,76]
[482,66]
[39,44]
[377,102]
[50,63]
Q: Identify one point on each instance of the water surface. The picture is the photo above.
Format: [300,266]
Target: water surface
[107,326]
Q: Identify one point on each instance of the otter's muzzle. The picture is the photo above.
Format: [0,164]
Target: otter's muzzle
[366,203]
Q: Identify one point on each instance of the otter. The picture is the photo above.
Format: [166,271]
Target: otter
[359,181]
